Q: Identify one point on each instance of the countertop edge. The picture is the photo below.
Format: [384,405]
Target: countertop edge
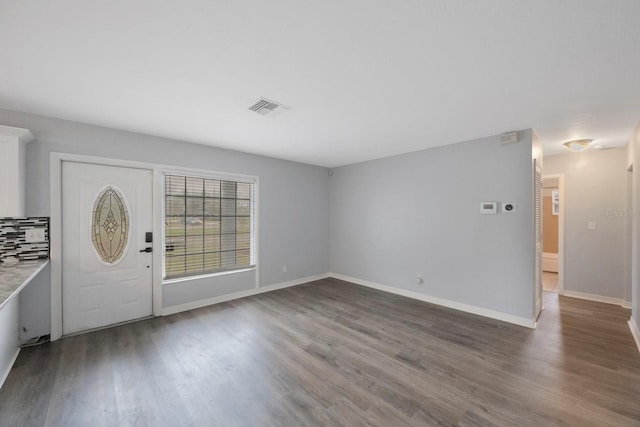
[25,283]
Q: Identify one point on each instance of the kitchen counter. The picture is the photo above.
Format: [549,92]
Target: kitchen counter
[14,277]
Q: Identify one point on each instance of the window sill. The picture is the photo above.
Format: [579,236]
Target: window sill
[204,276]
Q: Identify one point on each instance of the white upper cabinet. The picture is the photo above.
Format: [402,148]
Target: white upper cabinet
[13,143]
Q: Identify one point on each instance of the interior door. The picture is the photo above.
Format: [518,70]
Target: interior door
[538,188]
[106,271]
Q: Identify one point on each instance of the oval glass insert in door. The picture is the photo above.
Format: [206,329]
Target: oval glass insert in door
[110,225]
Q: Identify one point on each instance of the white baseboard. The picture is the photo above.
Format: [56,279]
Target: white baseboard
[242,294]
[7,369]
[597,298]
[516,320]
[635,331]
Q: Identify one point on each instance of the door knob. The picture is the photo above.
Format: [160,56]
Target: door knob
[147,250]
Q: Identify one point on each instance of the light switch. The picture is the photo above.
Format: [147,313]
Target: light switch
[591,225]
[489,208]
[34,235]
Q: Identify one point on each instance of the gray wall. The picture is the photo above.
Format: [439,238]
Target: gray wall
[595,190]
[35,306]
[419,213]
[294,197]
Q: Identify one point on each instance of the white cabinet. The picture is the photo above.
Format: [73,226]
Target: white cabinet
[13,143]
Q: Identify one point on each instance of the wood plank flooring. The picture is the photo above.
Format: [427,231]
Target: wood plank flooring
[334,354]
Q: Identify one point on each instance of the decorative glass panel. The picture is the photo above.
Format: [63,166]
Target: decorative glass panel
[110,225]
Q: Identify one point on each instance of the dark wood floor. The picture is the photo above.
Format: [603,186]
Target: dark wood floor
[335,354]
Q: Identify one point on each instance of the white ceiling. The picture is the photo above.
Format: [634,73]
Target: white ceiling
[365,78]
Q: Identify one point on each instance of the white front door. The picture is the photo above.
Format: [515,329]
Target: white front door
[106,275]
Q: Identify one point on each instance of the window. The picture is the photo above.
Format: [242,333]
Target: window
[209,226]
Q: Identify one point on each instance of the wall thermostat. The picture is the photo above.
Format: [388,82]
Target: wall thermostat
[508,207]
[488,207]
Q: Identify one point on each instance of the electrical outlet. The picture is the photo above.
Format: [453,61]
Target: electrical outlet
[284,268]
[419,280]
[34,235]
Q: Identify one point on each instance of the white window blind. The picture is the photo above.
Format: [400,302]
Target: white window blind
[209,225]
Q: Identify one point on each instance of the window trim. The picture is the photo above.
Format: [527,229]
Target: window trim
[205,275]
[213,175]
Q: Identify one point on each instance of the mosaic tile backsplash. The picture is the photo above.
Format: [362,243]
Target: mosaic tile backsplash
[13,238]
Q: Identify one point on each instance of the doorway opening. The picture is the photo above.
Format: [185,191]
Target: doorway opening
[552,233]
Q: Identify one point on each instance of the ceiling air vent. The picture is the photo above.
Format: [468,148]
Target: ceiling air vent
[266,107]
[509,138]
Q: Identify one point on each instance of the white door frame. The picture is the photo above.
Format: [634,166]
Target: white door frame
[628,303]
[560,177]
[56,161]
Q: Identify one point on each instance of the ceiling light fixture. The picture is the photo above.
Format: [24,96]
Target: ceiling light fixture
[577,145]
